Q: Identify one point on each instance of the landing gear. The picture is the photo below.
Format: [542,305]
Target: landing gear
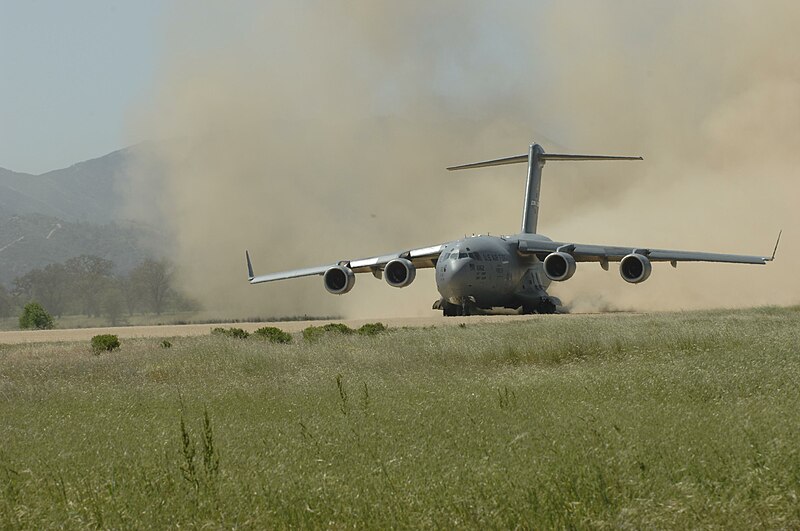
[544,306]
[456,310]
[452,310]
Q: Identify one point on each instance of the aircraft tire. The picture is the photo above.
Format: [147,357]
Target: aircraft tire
[450,310]
[546,307]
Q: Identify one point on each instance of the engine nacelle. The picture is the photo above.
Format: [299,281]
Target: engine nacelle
[635,268]
[399,273]
[559,266]
[339,280]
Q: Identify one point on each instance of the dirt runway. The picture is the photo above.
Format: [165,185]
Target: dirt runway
[127,332]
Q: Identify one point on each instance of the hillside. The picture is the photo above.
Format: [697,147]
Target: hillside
[69,212]
[87,192]
[33,241]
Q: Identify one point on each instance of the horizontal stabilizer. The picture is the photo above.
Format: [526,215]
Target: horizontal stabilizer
[496,162]
[556,156]
[542,156]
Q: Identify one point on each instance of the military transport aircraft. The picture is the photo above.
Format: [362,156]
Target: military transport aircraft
[484,272]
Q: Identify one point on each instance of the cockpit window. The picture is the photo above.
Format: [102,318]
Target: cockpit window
[457,255]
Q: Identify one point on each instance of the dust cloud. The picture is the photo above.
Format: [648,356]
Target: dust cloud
[310,132]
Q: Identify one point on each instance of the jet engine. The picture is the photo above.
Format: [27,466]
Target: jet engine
[339,280]
[635,268]
[559,266]
[399,273]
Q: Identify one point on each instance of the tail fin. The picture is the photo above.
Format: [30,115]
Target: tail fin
[535,158]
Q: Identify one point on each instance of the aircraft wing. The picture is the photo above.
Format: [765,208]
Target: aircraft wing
[423,257]
[604,254]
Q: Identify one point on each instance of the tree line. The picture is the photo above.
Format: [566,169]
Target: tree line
[88,285]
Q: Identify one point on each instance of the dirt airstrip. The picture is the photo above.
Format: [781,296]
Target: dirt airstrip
[81,334]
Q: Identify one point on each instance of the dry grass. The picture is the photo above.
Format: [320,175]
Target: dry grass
[645,421]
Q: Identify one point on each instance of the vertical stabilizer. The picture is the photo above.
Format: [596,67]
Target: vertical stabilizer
[530,211]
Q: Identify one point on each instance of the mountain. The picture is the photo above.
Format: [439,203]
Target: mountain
[85,192]
[65,213]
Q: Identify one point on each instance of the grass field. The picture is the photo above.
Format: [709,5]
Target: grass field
[687,420]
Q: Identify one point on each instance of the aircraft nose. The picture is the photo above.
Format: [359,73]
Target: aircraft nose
[457,275]
[456,268]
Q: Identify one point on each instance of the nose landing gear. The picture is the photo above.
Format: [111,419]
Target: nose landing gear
[453,310]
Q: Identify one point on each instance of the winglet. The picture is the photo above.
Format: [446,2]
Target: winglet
[775,250]
[250,275]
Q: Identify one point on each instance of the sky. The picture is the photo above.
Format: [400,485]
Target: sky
[74,74]
[70,72]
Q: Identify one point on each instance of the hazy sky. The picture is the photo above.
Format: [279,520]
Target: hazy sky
[69,74]
[74,73]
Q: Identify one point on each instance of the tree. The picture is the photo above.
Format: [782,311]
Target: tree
[129,291]
[89,275]
[113,304]
[35,316]
[6,302]
[153,280]
[49,285]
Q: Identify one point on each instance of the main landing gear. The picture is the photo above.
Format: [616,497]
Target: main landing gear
[545,306]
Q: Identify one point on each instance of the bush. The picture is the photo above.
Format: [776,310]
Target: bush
[35,316]
[237,333]
[312,333]
[337,327]
[371,329]
[166,344]
[107,342]
[271,333]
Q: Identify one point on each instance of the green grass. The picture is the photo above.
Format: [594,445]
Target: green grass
[642,421]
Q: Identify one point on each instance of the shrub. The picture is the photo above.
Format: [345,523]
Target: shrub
[166,344]
[338,327]
[35,316]
[107,342]
[312,333]
[237,333]
[271,333]
[371,329]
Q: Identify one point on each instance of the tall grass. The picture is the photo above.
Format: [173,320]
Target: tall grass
[647,421]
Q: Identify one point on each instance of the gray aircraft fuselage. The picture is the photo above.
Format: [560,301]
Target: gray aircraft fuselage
[488,272]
